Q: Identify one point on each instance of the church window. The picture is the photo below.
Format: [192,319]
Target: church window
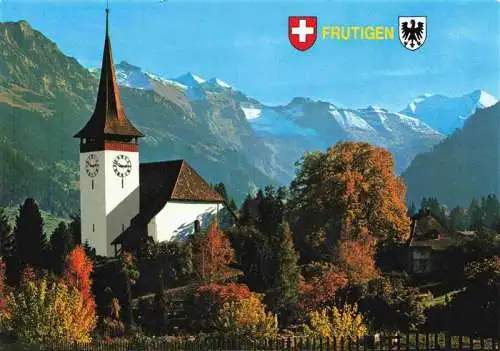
[123,227]
[93,227]
[92,184]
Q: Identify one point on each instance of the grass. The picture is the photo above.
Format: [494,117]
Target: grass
[441,300]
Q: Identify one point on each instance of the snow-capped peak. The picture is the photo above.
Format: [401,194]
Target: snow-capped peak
[189,79]
[484,99]
[218,82]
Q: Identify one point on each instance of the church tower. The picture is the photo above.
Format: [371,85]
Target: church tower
[109,164]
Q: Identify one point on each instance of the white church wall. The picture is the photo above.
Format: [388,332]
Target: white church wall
[122,198]
[176,219]
[108,207]
[92,203]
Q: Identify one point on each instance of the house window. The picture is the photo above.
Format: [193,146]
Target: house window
[197,228]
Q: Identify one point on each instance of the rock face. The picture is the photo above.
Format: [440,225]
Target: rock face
[465,165]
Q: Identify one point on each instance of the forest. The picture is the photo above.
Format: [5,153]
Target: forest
[327,256]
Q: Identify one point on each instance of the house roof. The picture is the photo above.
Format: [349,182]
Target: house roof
[109,116]
[427,232]
[162,182]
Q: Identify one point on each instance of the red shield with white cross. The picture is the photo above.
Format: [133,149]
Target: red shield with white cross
[302,31]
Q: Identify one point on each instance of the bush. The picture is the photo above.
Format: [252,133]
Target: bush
[247,318]
[210,298]
[44,313]
[345,322]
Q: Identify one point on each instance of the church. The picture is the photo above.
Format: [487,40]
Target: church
[123,201]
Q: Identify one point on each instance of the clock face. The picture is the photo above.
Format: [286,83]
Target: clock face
[92,165]
[122,166]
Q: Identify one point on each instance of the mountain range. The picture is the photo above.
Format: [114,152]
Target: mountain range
[229,137]
[464,166]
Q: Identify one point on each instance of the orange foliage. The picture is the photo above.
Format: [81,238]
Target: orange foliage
[210,298]
[215,294]
[320,290]
[78,270]
[213,252]
[357,258]
[350,189]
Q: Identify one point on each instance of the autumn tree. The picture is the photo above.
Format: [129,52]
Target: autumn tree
[320,286]
[29,236]
[43,312]
[209,299]
[212,255]
[343,192]
[357,258]
[78,270]
[334,322]
[247,318]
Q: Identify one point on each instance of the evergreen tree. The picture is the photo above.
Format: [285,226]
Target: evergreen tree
[491,210]
[437,210]
[6,235]
[75,228]
[412,210]
[476,215]
[287,275]
[458,219]
[89,250]
[29,236]
[61,243]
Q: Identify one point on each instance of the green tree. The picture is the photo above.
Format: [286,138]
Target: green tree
[30,239]
[285,294]
[412,210]
[6,235]
[75,227]
[476,215]
[458,219]
[61,243]
[491,210]
[436,210]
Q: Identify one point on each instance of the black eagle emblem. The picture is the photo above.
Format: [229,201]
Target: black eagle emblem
[412,34]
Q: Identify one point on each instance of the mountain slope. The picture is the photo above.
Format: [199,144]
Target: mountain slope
[445,114]
[274,137]
[463,166]
[45,97]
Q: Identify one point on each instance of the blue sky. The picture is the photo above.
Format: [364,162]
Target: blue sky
[246,44]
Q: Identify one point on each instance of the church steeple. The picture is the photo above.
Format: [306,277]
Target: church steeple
[108,122]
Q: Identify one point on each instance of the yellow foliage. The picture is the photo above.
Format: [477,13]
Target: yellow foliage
[345,322]
[247,317]
[43,312]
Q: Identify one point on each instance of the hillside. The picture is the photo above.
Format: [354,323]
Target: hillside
[466,165]
[45,97]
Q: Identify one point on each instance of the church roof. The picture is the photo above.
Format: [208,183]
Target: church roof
[175,180]
[109,116]
[161,182]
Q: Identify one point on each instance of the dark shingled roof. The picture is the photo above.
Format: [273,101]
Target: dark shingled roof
[168,181]
[109,116]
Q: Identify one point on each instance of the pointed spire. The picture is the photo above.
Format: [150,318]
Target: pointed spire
[109,116]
